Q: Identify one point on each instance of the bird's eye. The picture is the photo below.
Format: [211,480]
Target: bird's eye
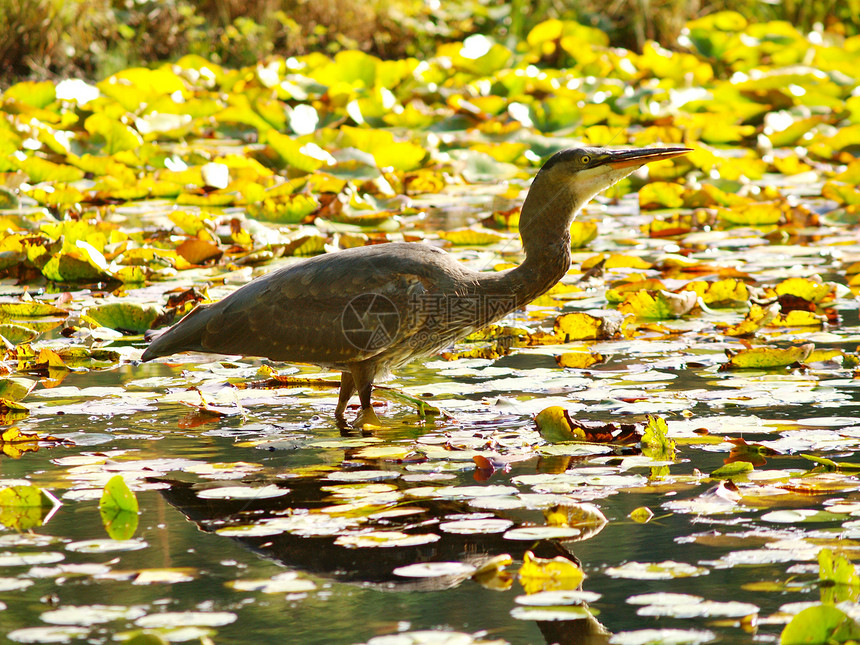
[584,159]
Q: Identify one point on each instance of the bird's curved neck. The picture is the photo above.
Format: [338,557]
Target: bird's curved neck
[545,222]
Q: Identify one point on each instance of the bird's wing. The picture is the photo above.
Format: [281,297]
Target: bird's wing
[331,310]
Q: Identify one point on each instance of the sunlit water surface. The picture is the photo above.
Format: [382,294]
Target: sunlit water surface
[353,602]
[267,577]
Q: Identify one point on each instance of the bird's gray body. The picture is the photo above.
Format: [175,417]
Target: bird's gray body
[367,310]
[311,311]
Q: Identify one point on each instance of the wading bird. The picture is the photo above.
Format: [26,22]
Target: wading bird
[368,310]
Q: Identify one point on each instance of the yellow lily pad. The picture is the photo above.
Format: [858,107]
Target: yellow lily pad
[658,305]
[471,237]
[582,326]
[582,233]
[764,358]
[545,574]
[579,360]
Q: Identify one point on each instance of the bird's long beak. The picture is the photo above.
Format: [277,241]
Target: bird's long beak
[641,156]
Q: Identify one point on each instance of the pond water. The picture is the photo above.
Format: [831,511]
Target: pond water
[273,565]
[262,520]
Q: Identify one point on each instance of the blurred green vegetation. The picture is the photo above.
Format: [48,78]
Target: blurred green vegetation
[95,38]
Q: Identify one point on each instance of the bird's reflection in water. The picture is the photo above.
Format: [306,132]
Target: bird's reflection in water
[374,568]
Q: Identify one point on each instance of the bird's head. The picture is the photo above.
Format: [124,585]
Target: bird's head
[584,172]
[567,181]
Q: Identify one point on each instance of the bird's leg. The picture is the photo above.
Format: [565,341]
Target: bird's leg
[347,387]
[364,385]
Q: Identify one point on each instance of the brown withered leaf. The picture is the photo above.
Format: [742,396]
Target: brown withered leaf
[753,453]
[790,302]
[14,443]
[555,424]
[197,251]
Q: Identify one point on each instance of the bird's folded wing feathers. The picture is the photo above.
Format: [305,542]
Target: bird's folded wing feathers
[307,312]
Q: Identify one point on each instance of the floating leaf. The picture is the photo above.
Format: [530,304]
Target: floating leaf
[839,579]
[29,309]
[197,251]
[119,509]
[756,318]
[840,193]
[767,357]
[295,154]
[542,574]
[124,316]
[15,388]
[38,94]
[244,492]
[400,155]
[555,425]
[641,515]
[759,214]
[286,209]
[25,507]
[656,442]
[83,262]
[663,637]
[287,582]
[86,615]
[726,293]
[655,570]
[582,326]
[578,360]
[820,624]
[733,470]
[796,318]
[117,495]
[582,233]
[385,539]
[661,194]
[660,305]
[434,570]
[805,288]
[17,334]
[471,237]
[39,170]
[116,135]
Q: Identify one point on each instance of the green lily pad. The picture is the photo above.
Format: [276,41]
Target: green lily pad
[124,316]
